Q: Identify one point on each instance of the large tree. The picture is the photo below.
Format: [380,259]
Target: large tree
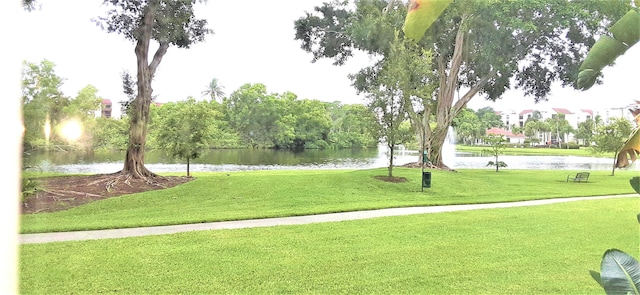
[479,47]
[43,102]
[585,131]
[351,126]
[169,23]
[489,118]
[468,126]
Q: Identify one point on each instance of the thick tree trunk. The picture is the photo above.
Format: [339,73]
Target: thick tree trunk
[436,142]
[447,107]
[139,112]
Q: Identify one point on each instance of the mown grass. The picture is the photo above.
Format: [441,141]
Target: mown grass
[261,194]
[584,152]
[546,249]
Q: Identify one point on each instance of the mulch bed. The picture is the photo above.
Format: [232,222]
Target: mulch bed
[64,192]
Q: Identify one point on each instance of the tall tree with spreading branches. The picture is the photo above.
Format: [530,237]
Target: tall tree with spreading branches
[169,23]
[480,48]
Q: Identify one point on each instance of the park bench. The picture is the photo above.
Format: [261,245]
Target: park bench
[580,177]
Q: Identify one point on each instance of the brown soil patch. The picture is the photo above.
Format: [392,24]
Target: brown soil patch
[391,179]
[64,192]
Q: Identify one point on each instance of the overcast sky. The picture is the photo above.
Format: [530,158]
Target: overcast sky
[253,42]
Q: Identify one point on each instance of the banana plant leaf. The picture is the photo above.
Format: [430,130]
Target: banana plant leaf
[630,150]
[619,273]
[421,15]
[626,33]
[635,184]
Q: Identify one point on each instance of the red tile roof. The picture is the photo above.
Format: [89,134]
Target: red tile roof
[500,131]
[590,112]
[526,112]
[106,101]
[562,111]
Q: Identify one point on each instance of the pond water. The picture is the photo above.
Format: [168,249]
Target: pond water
[245,159]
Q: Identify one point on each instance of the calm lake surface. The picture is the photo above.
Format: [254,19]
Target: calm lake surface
[245,159]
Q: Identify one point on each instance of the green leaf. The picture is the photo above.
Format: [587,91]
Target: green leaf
[626,32]
[627,29]
[603,53]
[635,184]
[596,276]
[421,14]
[586,78]
[619,273]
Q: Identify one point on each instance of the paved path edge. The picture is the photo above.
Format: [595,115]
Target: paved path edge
[293,220]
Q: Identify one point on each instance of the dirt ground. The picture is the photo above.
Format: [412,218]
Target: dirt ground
[64,192]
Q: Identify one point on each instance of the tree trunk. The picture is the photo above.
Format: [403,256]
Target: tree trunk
[188,173]
[613,171]
[139,113]
[435,145]
[391,149]
[446,107]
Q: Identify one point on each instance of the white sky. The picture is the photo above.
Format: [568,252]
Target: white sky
[253,43]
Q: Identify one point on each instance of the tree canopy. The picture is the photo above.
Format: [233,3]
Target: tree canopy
[478,47]
[46,108]
[186,129]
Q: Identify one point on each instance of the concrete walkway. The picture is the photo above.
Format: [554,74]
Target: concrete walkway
[331,217]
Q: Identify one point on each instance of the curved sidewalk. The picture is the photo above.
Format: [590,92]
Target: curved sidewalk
[294,220]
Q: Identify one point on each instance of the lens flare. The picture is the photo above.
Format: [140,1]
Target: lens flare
[47,129]
[71,130]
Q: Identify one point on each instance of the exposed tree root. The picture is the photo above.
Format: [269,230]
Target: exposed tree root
[111,180]
[64,192]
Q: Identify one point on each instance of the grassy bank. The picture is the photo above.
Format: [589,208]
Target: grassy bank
[583,152]
[545,249]
[260,194]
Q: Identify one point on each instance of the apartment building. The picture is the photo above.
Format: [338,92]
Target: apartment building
[106,108]
[512,118]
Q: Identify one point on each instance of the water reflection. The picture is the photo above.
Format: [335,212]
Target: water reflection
[244,160]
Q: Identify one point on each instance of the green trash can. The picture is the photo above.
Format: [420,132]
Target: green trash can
[426,179]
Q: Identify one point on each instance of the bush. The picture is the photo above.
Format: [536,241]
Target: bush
[515,145]
[29,187]
[572,146]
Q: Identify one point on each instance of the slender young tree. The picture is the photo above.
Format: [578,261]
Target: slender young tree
[390,90]
[497,143]
[186,129]
[141,21]
[611,137]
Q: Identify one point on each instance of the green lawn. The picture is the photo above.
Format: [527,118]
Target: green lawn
[584,152]
[546,249]
[260,194]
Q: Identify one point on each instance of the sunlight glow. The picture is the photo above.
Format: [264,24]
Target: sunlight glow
[47,129]
[71,130]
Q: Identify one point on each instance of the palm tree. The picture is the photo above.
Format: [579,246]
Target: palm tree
[214,90]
